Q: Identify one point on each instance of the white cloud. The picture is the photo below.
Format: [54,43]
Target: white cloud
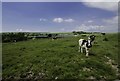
[19,30]
[69,20]
[108,25]
[58,20]
[85,27]
[110,6]
[23,30]
[113,20]
[111,23]
[90,21]
[42,19]
[100,0]
[60,0]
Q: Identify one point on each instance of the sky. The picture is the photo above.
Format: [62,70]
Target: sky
[59,16]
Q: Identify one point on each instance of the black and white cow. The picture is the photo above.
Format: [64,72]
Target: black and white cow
[87,44]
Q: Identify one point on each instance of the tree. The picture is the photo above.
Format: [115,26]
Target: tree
[49,35]
[11,37]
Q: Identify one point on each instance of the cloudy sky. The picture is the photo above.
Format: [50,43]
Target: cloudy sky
[59,16]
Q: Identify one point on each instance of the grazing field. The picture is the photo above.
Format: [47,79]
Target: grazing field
[60,59]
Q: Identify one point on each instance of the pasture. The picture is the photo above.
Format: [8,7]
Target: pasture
[60,59]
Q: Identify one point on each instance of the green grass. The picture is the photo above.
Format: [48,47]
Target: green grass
[47,59]
[0,60]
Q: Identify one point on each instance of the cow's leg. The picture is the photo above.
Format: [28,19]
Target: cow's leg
[79,49]
[87,51]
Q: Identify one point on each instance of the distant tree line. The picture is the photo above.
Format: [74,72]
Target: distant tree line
[13,37]
[80,32]
[51,35]
[21,36]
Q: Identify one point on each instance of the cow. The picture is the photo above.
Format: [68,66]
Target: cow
[87,44]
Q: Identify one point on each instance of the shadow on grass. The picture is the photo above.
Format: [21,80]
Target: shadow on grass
[92,54]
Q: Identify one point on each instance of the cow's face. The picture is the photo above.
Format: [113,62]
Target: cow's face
[92,37]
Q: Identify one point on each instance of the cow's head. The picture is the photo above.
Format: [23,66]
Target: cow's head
[92,37]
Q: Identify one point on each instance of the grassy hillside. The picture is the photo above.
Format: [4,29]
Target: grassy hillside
[60,59]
